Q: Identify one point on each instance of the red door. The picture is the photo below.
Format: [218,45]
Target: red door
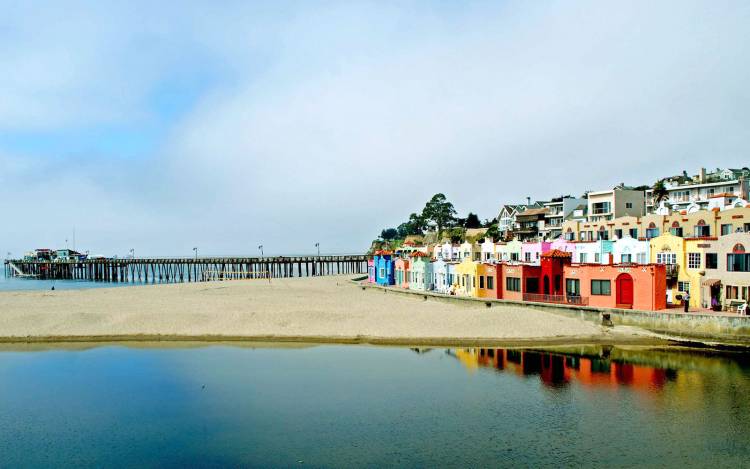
[625,290]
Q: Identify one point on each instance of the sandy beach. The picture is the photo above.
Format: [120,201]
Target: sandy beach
[320,309]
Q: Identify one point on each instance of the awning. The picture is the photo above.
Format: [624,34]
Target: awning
[711,282]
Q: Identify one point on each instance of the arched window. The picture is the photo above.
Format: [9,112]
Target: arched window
[738,248]
[676,229]
[702,230]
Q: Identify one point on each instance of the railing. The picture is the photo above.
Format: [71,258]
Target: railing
[672,269]
[558,299]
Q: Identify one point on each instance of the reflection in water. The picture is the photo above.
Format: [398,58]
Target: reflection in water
[557,369]
[350,406]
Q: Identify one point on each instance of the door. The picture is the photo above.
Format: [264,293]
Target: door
[625,290]
[546,285]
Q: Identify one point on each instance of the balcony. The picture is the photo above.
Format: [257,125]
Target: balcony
[672,270]
[557,299]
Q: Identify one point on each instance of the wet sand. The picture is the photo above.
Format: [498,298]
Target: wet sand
[314,310]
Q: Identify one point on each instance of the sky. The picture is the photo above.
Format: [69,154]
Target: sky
[163,126]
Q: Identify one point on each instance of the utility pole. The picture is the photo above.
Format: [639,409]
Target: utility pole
[261,250]
[196,253]
[317,245]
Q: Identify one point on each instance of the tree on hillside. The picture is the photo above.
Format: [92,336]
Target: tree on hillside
[493,232]
[472,221]
[660,193]
[389,234]
[439,211]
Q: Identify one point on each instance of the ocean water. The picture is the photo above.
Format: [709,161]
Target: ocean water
[356,406]
[20,284]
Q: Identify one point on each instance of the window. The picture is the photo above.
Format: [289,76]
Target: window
[683,287]
[641,258]
[514,256]
[481,281]
[618,233]
[652,233]
[626,258]
[532,285]
[600,287]
[513,284]
[677,231]
[702,230]
[382,272]
[634,233]
[712,260]
[597,258]
[726,229]
[694,260]
[582,258]
[490,283]
[473,282]
[746,228]
[628,204]
[738,262]
[573,286]
[602,234]
[666,258]
[527,257]
[570,236]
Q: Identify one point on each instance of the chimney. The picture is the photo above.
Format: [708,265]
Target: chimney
[528,200]
[702,176]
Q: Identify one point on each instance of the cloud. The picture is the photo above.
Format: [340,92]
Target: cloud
[327,122]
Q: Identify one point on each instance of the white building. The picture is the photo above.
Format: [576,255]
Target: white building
[698,192]
[630,250]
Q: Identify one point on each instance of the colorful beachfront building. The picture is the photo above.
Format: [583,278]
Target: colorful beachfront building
[371,270]
[593,252]
[470,251]
[531,252]
[618,286]
[421,272]
[384,268]
[683,259]
[487,250]
[519,280]
[441,280]
[401,272]
[631,251]
[726,263]
[508,252]
[562,244]
[466,278]
[447,251]
[488,284]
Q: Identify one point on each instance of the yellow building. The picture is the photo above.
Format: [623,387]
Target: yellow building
[466,278]
[684,259]
[699,224]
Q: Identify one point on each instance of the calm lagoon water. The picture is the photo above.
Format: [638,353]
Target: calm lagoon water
[351,406]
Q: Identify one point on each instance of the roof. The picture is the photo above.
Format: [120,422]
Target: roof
[533,211]
[382,253]
[420,254]
[557,254]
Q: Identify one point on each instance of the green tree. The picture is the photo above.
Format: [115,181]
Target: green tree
[439,211]
[389,234]
[493,232]
[660,192]
[472,221]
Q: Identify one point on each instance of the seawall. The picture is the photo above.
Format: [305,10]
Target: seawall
[701,327]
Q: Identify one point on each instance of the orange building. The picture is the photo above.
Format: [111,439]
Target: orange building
[490,277]
[619,286]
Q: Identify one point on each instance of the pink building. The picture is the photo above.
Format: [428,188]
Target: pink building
[531,253]
[563,245]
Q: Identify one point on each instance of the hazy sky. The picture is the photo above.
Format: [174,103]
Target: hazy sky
[161,126]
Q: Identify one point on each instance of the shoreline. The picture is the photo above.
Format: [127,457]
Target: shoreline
[316,310]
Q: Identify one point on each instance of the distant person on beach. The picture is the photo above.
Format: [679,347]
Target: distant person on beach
[686,301]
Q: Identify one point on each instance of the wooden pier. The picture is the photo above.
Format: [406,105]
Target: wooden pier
[166,270]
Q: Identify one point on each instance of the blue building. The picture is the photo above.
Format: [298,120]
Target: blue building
[384,268]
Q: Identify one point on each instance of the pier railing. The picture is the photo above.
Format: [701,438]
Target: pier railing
[558,299]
